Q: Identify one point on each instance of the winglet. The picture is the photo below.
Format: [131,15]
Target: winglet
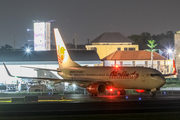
[174,68]
[8,71]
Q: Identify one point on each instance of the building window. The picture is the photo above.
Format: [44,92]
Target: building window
[133,63]
[158,65]
[125,49]
[94,48]
[131,48]
[178,71]
[121,63]
[146,63]
[167,68]
[118,48]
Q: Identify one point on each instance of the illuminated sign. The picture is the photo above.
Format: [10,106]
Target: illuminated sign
[39,36]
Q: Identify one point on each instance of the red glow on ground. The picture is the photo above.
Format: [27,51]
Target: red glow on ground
[110,89]
[140,90]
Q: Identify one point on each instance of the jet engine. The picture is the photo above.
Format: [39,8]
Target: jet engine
[96,88]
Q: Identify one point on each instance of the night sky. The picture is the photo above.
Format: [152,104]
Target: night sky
[87,18]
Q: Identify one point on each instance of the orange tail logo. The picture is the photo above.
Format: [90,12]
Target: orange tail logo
[174,68]
[61,53]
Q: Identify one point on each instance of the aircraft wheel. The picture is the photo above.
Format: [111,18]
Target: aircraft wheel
[119,92]
[123,92]
[92,95]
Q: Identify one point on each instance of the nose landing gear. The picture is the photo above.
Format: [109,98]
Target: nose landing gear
[153,94]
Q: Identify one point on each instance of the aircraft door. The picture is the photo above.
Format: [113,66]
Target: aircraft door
[105,76]
[143,76]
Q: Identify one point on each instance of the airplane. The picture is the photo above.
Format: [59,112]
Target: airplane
[99,79]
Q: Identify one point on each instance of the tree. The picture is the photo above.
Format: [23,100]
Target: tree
[6,48]
[163,41]
[151,45]
[141,39]
[26,46]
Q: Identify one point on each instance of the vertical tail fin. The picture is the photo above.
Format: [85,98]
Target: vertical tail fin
[64,59]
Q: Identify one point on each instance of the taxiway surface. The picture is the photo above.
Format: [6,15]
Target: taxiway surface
[84,104]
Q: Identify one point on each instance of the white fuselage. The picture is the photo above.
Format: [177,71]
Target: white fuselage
[121,77]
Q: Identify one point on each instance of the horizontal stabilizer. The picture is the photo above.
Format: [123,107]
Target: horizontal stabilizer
[173,73]
[41,69]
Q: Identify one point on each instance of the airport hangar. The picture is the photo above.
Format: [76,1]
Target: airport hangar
[15,60]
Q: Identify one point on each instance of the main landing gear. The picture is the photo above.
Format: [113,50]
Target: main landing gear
[92,95]
[121,92]
[153,94]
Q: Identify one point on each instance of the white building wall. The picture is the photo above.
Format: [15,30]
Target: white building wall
[165,67]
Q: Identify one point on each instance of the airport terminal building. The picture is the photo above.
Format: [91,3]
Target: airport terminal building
[15,60]
[108,49]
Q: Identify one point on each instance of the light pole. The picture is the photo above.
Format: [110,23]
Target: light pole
[169,51]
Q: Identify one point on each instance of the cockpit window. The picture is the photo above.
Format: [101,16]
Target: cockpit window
[155,75]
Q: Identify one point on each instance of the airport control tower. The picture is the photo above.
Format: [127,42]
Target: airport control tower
[177,52]
[42,36]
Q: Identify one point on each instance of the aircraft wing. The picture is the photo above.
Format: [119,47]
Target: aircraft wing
[50,79]
[41,69]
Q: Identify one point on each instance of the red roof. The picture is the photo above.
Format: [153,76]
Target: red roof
[133,55]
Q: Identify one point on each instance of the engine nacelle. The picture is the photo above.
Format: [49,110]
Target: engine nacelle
[96,88]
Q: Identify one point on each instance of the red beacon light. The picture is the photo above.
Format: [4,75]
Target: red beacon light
[111,89]
[116,66]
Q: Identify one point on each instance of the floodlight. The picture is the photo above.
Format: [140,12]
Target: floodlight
[28,50]
[74,85]
[169,50]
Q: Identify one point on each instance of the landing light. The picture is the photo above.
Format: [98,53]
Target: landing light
[169,50]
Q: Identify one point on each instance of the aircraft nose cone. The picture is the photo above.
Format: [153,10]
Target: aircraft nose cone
[162,81]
